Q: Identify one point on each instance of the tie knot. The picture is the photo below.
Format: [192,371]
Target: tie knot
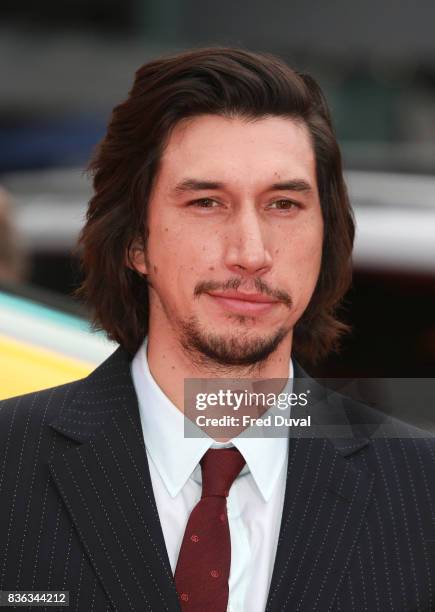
[220,467]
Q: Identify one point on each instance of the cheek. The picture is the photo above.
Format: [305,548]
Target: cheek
[312,255]
[181,255]
[304,261]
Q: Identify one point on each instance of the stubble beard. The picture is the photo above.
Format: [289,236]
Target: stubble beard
[227,353]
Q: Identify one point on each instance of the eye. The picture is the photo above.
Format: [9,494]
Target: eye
[283,205]
[204,203]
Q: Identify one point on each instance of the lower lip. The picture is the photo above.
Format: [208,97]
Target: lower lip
[243,306]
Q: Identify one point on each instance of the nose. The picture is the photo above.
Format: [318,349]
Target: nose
[247,251]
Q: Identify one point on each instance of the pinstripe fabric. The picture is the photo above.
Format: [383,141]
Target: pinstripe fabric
[78,512]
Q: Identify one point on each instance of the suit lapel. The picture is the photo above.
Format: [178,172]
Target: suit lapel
[325,503]
[106,486]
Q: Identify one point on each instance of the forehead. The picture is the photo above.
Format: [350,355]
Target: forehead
[226,148]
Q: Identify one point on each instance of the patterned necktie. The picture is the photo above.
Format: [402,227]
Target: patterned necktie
[203,566]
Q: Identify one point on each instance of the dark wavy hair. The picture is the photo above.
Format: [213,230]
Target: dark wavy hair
[221,81]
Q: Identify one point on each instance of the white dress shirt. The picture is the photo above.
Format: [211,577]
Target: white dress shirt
[255,500]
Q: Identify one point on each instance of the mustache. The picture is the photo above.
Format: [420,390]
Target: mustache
[237,283]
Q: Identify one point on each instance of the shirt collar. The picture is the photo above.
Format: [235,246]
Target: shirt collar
[176,456]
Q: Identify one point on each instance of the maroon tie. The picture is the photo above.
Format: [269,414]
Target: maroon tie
[203,566]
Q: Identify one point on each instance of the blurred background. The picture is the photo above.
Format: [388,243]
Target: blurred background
[63,66]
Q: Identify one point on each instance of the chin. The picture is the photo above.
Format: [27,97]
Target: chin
[230,349]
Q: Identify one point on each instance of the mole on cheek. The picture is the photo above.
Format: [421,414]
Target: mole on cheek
[166,229]
[211,268]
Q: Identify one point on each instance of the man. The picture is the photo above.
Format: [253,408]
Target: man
[217,245]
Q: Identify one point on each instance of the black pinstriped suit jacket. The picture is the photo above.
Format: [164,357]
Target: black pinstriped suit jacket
[78,512]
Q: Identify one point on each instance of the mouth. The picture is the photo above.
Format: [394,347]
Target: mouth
[244,303]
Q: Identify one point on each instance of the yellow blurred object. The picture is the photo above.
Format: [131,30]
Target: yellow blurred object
[25,368]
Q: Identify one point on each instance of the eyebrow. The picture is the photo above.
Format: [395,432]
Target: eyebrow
[292,185]
[197,185]
[190,184]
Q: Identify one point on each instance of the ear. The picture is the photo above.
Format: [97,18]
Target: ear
[136,257]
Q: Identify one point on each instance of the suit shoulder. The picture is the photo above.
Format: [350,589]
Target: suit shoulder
[391,438]
[370,420]
[44,403]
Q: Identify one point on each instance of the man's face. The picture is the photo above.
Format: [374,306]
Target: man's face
[235,236]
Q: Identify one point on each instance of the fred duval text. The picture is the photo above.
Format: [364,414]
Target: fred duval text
[275,420]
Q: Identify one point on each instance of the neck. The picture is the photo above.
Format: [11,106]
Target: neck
[170,365]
